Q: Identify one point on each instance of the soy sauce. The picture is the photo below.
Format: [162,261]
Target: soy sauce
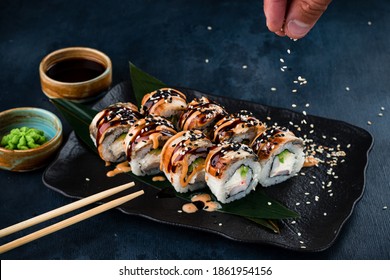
[75,70]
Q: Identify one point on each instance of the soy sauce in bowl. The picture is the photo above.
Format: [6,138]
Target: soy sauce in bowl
[75,70]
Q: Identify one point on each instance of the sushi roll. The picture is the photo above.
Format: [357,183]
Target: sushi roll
[182,160]
[144,142]
[201,114]
[232,171]
[281,155]
[241,127]
[109,127]
[165,102]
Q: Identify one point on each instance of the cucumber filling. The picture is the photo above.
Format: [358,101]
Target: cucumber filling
[283,164]
[240,181]
[195,164]
[155,152]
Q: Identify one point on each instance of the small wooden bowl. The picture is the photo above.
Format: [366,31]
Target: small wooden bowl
[26,160]
[80,91]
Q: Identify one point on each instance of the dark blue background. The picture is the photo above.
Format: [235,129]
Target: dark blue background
[170,40]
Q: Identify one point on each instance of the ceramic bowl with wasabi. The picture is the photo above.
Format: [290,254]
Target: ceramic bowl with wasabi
[33,155]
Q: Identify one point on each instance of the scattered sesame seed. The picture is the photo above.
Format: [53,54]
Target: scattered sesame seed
[304,112]
[306,193]
[209,28]
[311,182]
[308,202]
[273,89]
[347,88]
[382,108]
[288,51]
[299,234]
[325,213]
[294,105]
[282,69]
[349,146]
[301,242]
[281,60]
[179,211]
[293,222]
[269,203]
[369,123]
[294,90]
[295,82]
[220,224]
[303,174]
[331,194]
[244,66]
[298,203]
[307,105]
[206,60]
[369,23]
[316,198]
[87,179]
[384,207]
[303,247]
[380,114]
[268,118]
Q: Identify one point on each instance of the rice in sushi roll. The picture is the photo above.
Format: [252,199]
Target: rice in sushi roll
[232,171]
[165,102]
[201,114]
[182,160]
[281,155]
[144,142]
[109,127]
[241,127]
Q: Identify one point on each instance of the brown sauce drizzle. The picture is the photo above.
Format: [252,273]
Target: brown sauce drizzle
[201,202]
[122,167]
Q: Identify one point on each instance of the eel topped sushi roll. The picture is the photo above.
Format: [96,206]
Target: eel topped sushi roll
[281,155]
[232,171]
[182,160]
[201,114]
[144,142]
[109,127]
[165,102]
[240,127]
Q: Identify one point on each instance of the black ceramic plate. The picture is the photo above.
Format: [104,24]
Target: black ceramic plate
[324,196]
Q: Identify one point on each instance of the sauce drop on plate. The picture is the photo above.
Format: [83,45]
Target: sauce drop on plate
[122,167]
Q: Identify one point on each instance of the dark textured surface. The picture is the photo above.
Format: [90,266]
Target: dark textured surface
[170,40]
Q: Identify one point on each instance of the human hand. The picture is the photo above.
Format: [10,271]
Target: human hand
[293,18]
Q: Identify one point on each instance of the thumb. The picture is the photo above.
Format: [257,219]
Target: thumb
[302,15]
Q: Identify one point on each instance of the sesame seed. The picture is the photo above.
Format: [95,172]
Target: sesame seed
[301,242]
[369,23]
[380,114]
[304,112]
[220,224]
[331,194]
[282,69]
[179,211]
[293,222]
[307,105]
[382,108]
[303,247]
[384,207]
[298,203]
[294,105]
[273,89]
[269,203]
[349,146]
[206,60]
[316,198]
[299,234]
[209,28]
[294,90]
[281,60]
[87,179]
[295,82]
[306,193]
[325,213]
[311,182]
[288,51]
[347,88]
[244,66]
[308,202]
[369,123]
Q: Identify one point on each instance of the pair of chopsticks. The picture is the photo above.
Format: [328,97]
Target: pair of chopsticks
[68,222]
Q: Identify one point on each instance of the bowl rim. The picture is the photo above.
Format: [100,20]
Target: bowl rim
[50,142]
[106,72]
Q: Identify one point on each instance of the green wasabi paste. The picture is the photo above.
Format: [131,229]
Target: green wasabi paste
[23,138]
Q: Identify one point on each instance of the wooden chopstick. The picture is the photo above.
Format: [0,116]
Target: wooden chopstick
[68,222]
[64,209]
